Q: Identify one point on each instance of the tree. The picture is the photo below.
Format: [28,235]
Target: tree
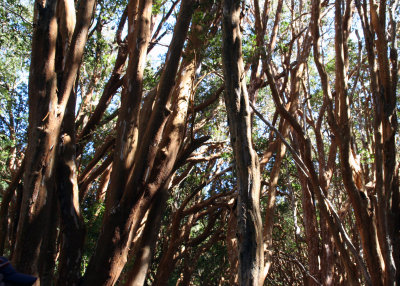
[249,225]
[123,164]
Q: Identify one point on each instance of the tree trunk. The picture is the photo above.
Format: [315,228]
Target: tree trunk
[148,240]
[251,253]
[72,225]
[271,206]
[364,217]
[311,231]
[5,206]
[232,246]
[125,214]
[42,137]
[383,71]
[46,113]
[128,116]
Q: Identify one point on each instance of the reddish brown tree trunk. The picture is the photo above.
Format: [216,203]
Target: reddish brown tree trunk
[124,215]
[139,20]
[148,240]
[364,217]
[311,231]
[383,69]
[271,206]
[42,137]
[232,246]
[46,113]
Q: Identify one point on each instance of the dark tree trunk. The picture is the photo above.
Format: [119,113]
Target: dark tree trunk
[251,253]
[72,226]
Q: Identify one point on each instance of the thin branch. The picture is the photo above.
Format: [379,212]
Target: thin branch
[301,266]
[296,156]
[17,14]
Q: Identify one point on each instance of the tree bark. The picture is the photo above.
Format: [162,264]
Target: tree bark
[39,183]
[46,113]
[124,215]
[383,81]
[271,206]
[364,218]
[251,254]
[137,274]
[5,205]
[72,225]
[139,25]
[232,246]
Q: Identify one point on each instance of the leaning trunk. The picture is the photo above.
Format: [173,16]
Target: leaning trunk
[123,219]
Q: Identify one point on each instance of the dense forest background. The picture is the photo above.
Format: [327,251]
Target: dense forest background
[200,142]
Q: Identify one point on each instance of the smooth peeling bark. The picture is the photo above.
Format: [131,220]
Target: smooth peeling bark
[385,130]
[271,206]
[38,172]
[119,228]
[311,231]
[128,117]
[151,147]
[122,221]
[14,214]
[327,246]
[137,274]
[395,222]
[251,252]
[170,147]
[232,246]
[71,223]
[295,89]
[347,171]
[383,89]
[309,216]
[174,135]
[274,176]
[49,251]
[364,218]
[335,225]
[46,113]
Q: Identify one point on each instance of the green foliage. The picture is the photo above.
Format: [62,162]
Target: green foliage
[158,6]
[211,266]
[15,39]
[92,211]
[150,77]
